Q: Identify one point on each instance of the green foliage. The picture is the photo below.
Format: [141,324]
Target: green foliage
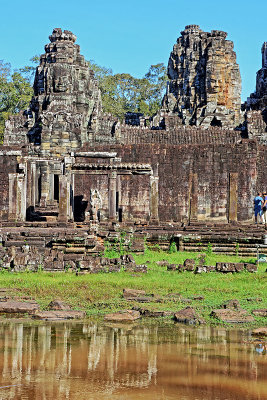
[111,250]
[209,250]
[123,93]
[237,249]
[118,247]
[15,91]
[173,247]
[101,293]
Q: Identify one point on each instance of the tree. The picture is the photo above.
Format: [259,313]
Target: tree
[28,72]
[15,91]
[122,93]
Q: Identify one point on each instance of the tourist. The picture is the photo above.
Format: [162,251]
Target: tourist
[264,207]
[258,201]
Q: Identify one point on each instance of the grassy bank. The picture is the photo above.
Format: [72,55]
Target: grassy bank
[102,293]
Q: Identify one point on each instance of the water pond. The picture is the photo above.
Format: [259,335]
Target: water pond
[91,361]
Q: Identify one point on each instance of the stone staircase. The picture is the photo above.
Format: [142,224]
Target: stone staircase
[48,213]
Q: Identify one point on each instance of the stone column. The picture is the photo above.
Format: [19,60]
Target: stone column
[12,199]
[21,197]
[193,197]
[50,199]
[154,196]
[33,183]
[45,184]
[112,185]
[64,199]
[17,197]
[232,211]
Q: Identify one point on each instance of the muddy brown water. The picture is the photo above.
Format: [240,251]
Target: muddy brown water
[91,361]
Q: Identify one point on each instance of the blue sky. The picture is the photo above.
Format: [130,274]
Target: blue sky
[130,36]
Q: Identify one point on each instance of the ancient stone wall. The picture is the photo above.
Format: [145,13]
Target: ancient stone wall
[205,83]
[201,182]
[181,135]
[84,165]
[8,165]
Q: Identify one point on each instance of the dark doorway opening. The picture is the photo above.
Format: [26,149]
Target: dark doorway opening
[117,201]
[174,244]
[39,188]
[120,214]
[56,187]
[216,122]
[80,205]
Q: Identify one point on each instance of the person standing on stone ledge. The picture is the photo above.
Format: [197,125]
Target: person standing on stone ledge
[264,207]
[258,202]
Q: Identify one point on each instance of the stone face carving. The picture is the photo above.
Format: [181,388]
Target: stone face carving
[258,99]
[256,104]
[205,83]
[64,161]
[66,99]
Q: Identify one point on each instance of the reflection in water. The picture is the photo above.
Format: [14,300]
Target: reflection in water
[94,361]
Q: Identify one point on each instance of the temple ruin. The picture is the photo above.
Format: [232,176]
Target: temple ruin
[73,175]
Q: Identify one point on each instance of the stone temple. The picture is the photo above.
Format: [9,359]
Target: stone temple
[69,170]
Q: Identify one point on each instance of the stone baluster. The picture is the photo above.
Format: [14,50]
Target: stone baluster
[112,195]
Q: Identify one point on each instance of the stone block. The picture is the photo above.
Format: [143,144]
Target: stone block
[251,267]
[123,316]
[232,316]
[189,264]
[188,316]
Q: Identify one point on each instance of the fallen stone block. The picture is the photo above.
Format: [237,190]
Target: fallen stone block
[239,267]
[162,263]
[130,258]
[58,315]
[115,261]
[114,268]
[261,312]
[251,267]
[188,316]
[233,304]
[260,331]
[173,297]
[200,269]
[204,268]
[152,313]
[123,316]
[225,267]
[132,267]
[143,299]
[171,267]
[186,301]
[13,306]
[104,261]
[189,264]
[58,305]
[133,293]
[180,268]
[198,297]
[232,316]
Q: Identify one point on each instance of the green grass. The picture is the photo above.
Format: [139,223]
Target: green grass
[102,293]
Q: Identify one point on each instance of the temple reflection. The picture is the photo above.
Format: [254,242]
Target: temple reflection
[77,360]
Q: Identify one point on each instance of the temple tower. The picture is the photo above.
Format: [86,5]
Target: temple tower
[205,83]
[66,102]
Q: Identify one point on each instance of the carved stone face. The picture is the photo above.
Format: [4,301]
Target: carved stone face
[61,84]
[60,79]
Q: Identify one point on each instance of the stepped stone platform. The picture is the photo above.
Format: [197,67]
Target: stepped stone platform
[79,246]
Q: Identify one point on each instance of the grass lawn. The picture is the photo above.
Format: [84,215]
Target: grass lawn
[102,293]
